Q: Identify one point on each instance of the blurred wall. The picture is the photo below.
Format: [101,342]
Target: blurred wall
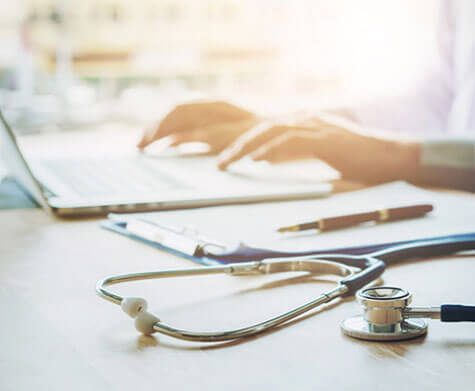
[301,44]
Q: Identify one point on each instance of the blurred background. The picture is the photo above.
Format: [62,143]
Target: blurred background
[69,63]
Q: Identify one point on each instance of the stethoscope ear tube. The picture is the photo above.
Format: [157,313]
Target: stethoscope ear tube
[364,277]
[424,249]
[457,313]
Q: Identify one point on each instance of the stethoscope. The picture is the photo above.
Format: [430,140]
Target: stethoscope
[386,315]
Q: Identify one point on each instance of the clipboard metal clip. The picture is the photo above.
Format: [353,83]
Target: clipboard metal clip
[186,240]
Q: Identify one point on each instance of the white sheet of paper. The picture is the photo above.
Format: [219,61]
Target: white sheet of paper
[256,224]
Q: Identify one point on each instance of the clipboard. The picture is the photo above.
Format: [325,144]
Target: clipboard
[242,233]
[165,238]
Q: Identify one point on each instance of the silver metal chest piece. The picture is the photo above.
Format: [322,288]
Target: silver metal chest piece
[384,317]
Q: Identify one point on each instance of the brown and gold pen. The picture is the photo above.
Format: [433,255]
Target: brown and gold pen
[381,215]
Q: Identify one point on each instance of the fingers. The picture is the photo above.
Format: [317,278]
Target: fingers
[147,138]
[217,136]
[191,116]
[200,135]
[248,142]
[252,140]
[209,135]
[175,121]
[289,146]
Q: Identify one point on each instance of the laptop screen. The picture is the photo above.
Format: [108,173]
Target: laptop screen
[15,162]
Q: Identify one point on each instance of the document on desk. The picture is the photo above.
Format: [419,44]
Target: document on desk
[256,225]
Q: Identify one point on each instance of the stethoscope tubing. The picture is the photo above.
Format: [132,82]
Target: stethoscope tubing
[370,266]
[258,267]
[245,253]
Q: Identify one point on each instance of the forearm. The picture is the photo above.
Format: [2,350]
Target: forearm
[375,156]
[448,163]
[442,162]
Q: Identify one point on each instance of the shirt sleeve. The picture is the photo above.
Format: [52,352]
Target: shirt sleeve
[461,49]
[447,163]
[458,153]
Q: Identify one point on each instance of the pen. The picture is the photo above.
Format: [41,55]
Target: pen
[336,222]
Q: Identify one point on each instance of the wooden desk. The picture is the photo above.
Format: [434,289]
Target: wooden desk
[56,334]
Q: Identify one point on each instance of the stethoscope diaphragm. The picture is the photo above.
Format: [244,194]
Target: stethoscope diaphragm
[383,316]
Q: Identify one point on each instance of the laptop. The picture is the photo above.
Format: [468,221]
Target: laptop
[86,186]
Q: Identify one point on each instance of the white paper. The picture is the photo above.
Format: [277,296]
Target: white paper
[256,224]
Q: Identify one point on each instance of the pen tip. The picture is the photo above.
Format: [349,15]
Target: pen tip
[292,228]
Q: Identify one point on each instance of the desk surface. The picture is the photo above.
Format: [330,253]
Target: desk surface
[56,334]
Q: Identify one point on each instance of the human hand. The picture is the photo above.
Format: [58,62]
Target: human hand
[266,135]
[357,156]
[215,123]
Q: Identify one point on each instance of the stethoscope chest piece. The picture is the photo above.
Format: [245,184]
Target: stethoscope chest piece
[383,318]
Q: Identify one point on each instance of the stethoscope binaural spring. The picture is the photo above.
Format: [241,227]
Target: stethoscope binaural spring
[354,272]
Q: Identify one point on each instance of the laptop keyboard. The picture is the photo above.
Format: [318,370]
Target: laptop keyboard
[111,176]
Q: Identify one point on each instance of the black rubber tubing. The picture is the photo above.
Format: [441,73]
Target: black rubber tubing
[424,249]
[457,313]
